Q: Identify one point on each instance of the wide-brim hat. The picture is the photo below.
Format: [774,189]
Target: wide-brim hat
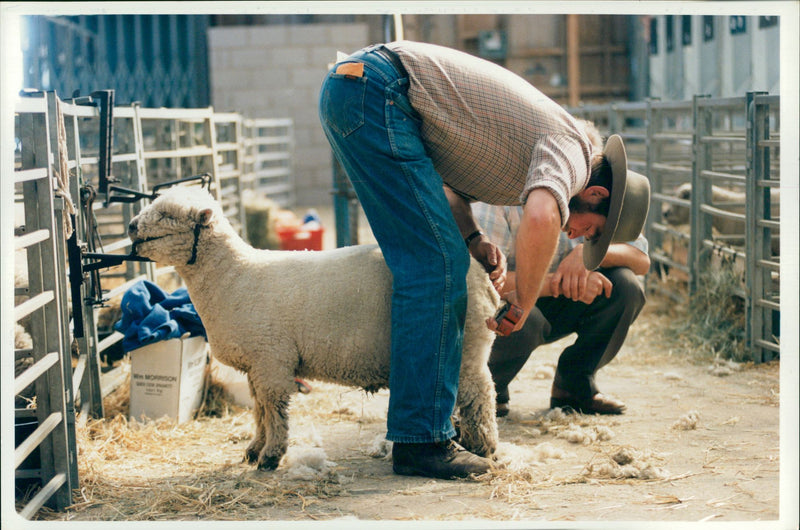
[630,201]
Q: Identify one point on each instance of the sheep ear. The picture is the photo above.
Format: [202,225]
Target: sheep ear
[205,216]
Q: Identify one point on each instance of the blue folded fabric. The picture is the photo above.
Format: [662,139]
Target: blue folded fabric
[149,315]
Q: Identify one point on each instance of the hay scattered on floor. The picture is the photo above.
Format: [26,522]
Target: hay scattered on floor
[160,470]
[522,469]
[723,367]
[329,403]
[715,321]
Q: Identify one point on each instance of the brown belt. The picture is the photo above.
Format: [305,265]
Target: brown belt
[392,57]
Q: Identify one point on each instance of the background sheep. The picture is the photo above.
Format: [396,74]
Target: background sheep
[320,315]
[725,199]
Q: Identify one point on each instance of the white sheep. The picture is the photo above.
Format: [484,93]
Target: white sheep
[324,315]
[725,199]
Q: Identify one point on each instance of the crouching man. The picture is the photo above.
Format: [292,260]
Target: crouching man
[598,305]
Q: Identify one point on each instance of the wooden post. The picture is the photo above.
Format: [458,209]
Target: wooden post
[573,61]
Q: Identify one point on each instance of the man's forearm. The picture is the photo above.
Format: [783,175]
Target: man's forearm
[511,284]
[536,243]
[625,255]
[462,212]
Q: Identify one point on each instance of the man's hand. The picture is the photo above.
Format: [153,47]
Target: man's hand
[596,284]
[571,276]
[493,260]
[487,253]
[573,281]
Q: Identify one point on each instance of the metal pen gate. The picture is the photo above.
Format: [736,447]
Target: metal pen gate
[44,430]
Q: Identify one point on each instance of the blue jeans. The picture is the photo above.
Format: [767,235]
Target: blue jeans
[375,135]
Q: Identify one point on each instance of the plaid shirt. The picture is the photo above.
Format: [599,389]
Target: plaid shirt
[500,224]
[492,136]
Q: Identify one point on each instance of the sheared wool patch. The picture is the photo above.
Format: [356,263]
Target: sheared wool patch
[515,457]
[627,463]
[380,447]
[307,463]
[687,422]
[586,435]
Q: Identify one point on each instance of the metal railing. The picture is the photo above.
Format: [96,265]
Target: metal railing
[269,147]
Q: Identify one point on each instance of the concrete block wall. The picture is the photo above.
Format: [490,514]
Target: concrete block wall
[275,71]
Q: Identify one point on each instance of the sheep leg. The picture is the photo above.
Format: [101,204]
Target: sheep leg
[276,429]
[476,404]
[259,438]
[271,394]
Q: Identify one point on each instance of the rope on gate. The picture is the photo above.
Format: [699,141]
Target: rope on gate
[62,174]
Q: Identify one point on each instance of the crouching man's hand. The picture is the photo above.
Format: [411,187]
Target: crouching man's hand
[594,285]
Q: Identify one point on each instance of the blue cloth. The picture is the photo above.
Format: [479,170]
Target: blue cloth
[149,315]
[375,134]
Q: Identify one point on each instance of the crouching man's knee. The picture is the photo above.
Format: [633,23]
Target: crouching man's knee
[627,287]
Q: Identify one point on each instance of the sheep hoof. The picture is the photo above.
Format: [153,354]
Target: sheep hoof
[250,457]
[268,463]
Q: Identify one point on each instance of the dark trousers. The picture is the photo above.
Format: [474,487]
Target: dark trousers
[601,328]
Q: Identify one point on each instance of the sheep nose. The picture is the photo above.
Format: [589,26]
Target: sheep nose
[132,226]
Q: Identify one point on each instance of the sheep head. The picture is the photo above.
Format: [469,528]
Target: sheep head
[676,214]
[168,230]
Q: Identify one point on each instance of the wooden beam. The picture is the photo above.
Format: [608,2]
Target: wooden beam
[573,61]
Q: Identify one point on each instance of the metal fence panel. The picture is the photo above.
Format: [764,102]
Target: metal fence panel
[763,219]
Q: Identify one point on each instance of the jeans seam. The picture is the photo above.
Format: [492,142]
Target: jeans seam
[438,413]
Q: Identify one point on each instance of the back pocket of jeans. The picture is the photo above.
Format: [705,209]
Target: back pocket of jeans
[342,102]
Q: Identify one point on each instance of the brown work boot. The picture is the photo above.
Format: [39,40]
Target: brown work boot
[445,460]
[596,404]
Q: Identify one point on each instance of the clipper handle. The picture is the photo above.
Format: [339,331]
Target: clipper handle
[507,318]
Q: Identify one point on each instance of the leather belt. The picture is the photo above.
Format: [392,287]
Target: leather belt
[392,57]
